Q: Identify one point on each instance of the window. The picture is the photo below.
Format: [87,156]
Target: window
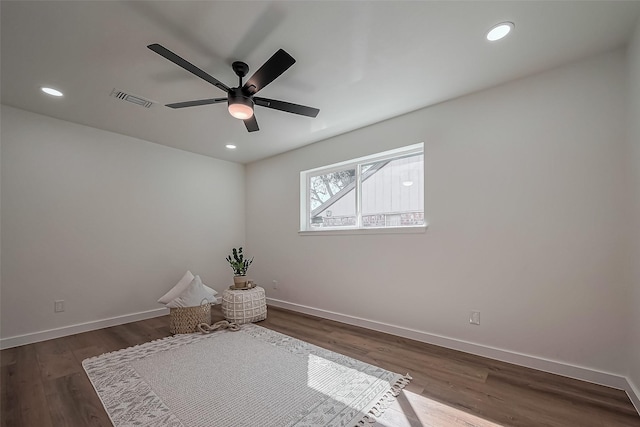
[384,190]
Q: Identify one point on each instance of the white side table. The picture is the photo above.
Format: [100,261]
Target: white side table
[244,306]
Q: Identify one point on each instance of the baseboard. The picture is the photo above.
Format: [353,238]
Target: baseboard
[634,394]
[64,331]
[551,366]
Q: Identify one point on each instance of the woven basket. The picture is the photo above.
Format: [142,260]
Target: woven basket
[184,320]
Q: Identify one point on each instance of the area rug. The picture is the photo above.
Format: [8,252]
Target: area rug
[248,378]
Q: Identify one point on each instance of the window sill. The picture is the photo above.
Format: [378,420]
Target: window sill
[355,231]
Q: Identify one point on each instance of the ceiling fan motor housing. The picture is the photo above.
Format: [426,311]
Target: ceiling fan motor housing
[237,97]
[240,105]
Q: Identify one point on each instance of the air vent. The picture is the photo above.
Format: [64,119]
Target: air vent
[131,98]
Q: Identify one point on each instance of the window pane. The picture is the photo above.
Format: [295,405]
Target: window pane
[382,190]
[332,199]
[393,192]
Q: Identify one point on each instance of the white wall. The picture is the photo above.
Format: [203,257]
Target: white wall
[634,139]
[106,222]
[524,196]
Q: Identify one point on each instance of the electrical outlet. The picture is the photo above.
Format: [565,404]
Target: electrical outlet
[58,306]
[275,285]
[474,318]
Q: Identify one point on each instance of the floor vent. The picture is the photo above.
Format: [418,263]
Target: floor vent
[131,98]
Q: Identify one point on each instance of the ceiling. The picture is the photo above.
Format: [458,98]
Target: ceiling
[358,62]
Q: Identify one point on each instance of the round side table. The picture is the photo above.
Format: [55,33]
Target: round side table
[244,306]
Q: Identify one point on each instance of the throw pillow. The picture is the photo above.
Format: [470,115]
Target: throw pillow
[177,289]
[212,293]
[193,295]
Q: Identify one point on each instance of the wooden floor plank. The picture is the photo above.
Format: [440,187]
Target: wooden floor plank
[28,405]
[44,384]
[8,357]
[9,402]
[73,402]
[55,359]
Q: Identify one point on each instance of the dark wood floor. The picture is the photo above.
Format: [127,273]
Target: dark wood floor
[44,384]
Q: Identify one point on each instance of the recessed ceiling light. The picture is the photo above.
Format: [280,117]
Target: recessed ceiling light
[499,31]
[230,146]
[51,91]
[407,183]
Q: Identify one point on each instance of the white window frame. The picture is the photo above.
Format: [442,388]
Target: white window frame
[305,200]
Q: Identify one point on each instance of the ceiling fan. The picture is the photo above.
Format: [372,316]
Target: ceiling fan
[241,100]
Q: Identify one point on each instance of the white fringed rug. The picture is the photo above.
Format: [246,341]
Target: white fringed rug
[254,377]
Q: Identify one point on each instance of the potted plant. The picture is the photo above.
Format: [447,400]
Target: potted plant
[239,265]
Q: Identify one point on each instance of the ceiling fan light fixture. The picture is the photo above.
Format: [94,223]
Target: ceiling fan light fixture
[240,106]
[240,111]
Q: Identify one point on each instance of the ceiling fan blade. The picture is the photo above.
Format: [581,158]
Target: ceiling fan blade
[270,70]
[197,102]
[163,51]
[251,123]
[286,106]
